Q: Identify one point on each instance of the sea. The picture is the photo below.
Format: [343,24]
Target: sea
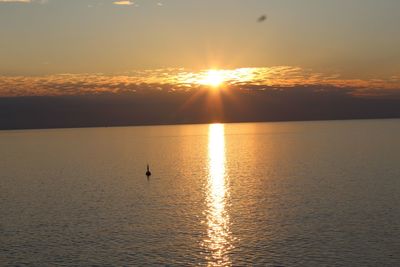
[322,193]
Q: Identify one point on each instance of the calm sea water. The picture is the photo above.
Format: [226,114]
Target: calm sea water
[268,194]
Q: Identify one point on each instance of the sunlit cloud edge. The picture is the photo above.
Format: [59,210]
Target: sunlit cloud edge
[179,79]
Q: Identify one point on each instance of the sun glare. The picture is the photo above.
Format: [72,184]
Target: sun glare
[213,78]
[217,78]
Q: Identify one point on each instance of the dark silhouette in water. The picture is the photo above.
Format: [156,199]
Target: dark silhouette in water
[148,172]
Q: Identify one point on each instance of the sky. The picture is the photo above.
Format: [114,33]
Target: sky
[172,49]
[357,38]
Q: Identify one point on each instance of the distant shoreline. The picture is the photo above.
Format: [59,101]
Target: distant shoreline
[195,123]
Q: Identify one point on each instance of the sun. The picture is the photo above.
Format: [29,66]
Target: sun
[213,78]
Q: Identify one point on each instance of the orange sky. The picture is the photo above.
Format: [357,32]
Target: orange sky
[60,47]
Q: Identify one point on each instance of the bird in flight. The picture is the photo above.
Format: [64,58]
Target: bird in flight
[262,18]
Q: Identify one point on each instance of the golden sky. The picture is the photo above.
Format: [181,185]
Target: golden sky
[72,47]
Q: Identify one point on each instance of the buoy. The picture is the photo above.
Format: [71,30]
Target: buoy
[148,172]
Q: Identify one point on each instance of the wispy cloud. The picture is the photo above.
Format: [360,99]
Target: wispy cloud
[123,3]
[24,1]
[15,1]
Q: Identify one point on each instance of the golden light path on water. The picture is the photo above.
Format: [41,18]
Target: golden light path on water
[219,238]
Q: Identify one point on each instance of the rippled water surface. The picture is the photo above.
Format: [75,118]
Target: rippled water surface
[269,194]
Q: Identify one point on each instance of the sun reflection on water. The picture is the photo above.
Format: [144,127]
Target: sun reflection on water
[219,238]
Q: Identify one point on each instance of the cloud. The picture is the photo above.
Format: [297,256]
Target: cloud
[170,96]
[123,3]
[24,1]
[113,102]
[174,80]
[15,1]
